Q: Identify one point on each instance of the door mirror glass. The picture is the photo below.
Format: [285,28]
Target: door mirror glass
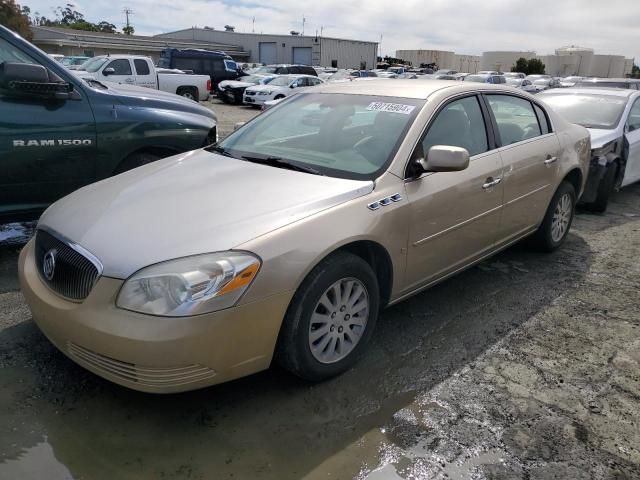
[108,71]
[444,158]
[26,79]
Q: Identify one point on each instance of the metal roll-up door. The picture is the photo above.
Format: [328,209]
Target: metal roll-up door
[302,55]
[268,53]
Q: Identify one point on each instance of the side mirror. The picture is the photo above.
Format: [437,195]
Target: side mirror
[293,85]
[238,125]
[108,71]
[443,158]
[30,80]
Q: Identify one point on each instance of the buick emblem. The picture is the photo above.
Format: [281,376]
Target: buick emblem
[49,264]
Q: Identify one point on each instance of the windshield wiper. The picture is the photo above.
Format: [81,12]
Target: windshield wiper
[280,162]
[218,149]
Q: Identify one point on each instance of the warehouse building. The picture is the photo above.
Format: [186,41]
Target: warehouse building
[564,62]
[79,42]
[299,49]
[442,58]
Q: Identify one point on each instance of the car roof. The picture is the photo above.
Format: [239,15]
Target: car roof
[407,88]
[611,92]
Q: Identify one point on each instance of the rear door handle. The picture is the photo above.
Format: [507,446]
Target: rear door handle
[491,182]
[550,160]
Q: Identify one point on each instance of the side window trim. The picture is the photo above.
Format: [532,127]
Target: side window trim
[537,108]
[491,142]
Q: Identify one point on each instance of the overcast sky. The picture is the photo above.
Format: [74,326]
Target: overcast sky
[464,26]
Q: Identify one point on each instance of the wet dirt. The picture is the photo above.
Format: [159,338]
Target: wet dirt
[525,367]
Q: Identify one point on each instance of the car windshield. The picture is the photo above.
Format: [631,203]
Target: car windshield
[542,81]
[476,78]
[598,84]
[265,70]
[591,111]
[340,135]
[339,75]
[94,64]
[282,81]
[514,81]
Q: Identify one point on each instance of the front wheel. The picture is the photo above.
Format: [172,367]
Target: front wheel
[331,318]
[557,221]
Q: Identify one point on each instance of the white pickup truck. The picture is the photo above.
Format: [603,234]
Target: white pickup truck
[137,70]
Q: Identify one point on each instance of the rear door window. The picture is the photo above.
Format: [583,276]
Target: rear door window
[142,67]
[542,120]
[516,119]
[187,64]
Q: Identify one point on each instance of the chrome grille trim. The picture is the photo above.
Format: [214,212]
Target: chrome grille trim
[141,375]
[81,268]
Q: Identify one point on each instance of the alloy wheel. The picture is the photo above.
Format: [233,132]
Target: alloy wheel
[339,320]
[561,217]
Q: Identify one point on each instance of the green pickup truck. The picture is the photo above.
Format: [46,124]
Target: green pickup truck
[59,132]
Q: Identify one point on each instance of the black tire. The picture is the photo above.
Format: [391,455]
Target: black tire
[293,351]
[188,92]
[605,189]
[226,99]
[543,239]
[278,97]
[136,160]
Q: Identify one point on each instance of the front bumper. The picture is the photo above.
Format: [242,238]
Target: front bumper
[148,353]
[256,99]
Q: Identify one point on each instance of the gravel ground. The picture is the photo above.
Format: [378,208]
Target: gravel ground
[524,367]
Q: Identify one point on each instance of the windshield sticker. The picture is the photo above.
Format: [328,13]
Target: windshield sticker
[390,107]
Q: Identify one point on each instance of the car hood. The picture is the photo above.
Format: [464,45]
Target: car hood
[135,96]
[234,84]
[265,88]
[600,137]
[188,204]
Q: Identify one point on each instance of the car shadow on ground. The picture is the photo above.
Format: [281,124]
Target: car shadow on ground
[272,425]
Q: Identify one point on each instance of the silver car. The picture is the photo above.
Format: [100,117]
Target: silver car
[612,117]
[283,241]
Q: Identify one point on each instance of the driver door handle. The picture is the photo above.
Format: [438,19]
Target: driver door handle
[491,182]
[550,160]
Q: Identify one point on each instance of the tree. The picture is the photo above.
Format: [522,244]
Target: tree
[106,27]
[520,66]
[128,30]
[69,17]
[635,71]
[532,66]
[536,67]
[13,17]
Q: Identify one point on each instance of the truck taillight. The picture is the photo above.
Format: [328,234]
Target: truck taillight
[209,85]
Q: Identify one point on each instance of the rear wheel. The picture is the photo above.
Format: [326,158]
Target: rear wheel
[557,221]
[188,92]
[331,318]
[605,189]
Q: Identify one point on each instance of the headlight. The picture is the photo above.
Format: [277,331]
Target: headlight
[267,92]
[191,285]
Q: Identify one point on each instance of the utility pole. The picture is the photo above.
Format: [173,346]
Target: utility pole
[304,20]
[253,28]
[127,11]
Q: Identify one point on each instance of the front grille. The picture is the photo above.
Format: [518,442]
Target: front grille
[147,376]
[74,275]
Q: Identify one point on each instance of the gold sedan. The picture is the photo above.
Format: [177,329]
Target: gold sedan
[286,239]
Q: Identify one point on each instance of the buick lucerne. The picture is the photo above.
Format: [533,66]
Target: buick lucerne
[284,241]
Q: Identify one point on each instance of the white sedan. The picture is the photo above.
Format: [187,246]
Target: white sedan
[612,117]
[279,87]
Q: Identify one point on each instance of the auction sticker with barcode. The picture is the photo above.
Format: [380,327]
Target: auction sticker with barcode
[391,107]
